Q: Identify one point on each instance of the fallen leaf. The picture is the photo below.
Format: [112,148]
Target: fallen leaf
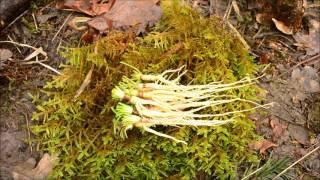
[277,129]
[264,58]
[299,133]
[286,15]
[310,41]
[283,27]
[264,18]
[128,14]
[43,18]
[25,171]
[5,54]
[262,145]
[306,79]
[89,7]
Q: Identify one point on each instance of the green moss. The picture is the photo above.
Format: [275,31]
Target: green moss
[81,130]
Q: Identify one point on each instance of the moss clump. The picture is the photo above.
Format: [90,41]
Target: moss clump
[81,131]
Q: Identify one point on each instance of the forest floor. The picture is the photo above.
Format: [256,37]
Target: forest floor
[291,127]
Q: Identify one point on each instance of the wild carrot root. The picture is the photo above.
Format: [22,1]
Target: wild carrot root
[160,100]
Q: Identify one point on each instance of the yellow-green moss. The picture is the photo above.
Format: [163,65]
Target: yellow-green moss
[81,130]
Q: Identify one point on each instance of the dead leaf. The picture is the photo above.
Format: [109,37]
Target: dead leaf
[299,133]
[264,18]
[277,129]
[43,18]
[282,27]
[306,79]
[25,171]
[310,41]
[264,58]
[128,14]
[286,15]
[89,7]
[262,145]
[5,54]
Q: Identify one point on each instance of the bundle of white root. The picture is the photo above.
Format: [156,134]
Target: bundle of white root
[160,100]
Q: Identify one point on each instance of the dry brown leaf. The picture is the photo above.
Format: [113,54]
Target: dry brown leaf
[128,14]
[310,41]
[264,18]
[282,27]
[277,129]
[5,54]
[24,171]
[262,145]
[89,7]
[299,133]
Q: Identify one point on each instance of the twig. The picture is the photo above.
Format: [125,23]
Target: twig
[228,11]
[18,49]
[16,19]
[64,23]
[28,130]
[237,9]
[300,63]
[38,50]
[254,172]
[239,36]
[308,154]
[85,83]
[35,21]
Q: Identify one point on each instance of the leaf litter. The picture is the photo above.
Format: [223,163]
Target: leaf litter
[136,16]
[262,145]
[128,14]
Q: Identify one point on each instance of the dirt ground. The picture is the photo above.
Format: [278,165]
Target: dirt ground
[292,84]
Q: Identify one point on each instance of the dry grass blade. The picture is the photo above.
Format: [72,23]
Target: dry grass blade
[85,83]
[245,44]
[308,154]
[34,54]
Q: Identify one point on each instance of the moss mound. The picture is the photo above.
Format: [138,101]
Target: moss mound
[80,129]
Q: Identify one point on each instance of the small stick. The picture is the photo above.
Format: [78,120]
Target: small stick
[227,12]
[64,23]
[308,154]
[35,21]
[300,63]
[18,49]
[28,130]
[237,9]
[84,84]
[245,44]
[37,60]
[16,19]
[254,172]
